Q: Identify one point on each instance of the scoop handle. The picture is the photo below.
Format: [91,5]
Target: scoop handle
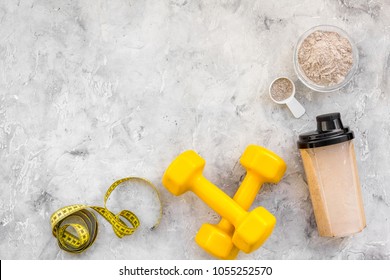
[295,107]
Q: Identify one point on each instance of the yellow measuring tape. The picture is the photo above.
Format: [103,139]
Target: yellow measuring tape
[84,224]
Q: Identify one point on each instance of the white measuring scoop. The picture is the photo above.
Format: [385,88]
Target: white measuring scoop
[288,98]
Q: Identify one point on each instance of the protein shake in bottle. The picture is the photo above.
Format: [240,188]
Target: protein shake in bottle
[330,165]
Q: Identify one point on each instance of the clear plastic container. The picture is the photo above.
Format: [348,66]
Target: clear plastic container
[300,73]
[330,165]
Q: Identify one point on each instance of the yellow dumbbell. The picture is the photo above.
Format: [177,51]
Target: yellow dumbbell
[262,166]
[252,228]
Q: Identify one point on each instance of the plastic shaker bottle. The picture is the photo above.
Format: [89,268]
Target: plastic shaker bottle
[330,165]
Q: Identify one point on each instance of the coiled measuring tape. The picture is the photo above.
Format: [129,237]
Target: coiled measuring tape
[85,225]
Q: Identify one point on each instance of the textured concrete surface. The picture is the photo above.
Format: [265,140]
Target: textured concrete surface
[95,90]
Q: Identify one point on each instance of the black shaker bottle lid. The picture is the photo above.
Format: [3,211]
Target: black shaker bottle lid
[330,131]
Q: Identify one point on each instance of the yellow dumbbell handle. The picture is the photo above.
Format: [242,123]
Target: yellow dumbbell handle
[244,196]
[247,192]
[226,206]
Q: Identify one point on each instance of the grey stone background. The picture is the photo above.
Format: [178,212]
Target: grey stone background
[95,90]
